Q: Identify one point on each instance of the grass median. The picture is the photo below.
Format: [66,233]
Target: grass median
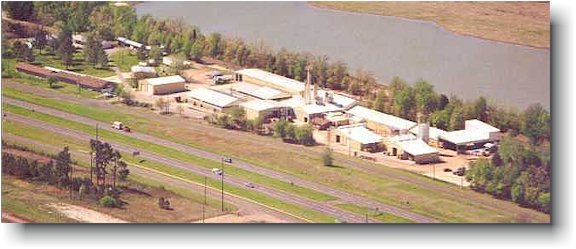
[50,138]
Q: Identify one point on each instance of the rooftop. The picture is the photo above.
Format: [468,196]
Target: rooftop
[142,69]
[462,137]
[476,124]
[416,147]
[381,118]
[261,105]
[166,80]
[260,92]
[212,97]
[277,80]
[360,134]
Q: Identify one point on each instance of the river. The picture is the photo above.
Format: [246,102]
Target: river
[466,66]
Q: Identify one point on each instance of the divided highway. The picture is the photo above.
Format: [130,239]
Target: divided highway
[322,207]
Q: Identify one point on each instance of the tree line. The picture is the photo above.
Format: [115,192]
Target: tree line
[516,172]
[58,171]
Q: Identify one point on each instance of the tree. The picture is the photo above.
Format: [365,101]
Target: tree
[304,135]
[63,167]
[238,117]
[481,109]
[197,50]
[163,105]
[65,48]
[90,53]
[40,40]
[141,53]
[327,158]
[426,99]
[101,56]
[155,55]
[381,100]
[52,81]
[123,170]
[213,45]
[23,10]
[404,102]
[280,128]
[535,123]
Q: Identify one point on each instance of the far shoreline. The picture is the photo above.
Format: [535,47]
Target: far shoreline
[323,6]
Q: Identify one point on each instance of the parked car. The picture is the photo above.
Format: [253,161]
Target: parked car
[460,171]
[447,170]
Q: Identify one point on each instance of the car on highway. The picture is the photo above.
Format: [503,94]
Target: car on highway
[249,185]
[217,171]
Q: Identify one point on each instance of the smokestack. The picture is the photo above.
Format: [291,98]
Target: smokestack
[315,91]
[307,88]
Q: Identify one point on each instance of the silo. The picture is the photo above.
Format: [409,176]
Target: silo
[424,132]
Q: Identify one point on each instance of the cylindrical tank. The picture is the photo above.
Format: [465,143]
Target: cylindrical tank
[424,132]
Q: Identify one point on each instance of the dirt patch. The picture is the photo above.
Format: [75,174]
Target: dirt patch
[83,214]
[253,218]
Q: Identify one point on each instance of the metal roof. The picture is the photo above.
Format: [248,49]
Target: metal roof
[166,80]
[416,147]
[212,97]
[475,124]
[274,79]
[462,137]
[434,133]
[360,134]
[381,118]
[142,69]
[261,92]
[261,105]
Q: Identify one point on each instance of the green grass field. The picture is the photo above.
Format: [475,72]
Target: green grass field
[80,66]
[124,59]
[76,145]
[373,214]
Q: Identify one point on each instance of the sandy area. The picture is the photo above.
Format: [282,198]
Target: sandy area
[83,214]
[254,218]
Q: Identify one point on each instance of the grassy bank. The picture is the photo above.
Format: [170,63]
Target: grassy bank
[525,23]
[372,214]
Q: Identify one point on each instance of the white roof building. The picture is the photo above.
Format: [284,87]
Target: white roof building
[142,69]
[416,147]
[278,81]
[261,105]
[381,118]
[360,134]
[475,131]
[261,92]
[166,80]
[212,97]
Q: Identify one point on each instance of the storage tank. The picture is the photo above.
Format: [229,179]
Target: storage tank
[424,132]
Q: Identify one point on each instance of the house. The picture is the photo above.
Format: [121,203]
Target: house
[163,85]
[211,101]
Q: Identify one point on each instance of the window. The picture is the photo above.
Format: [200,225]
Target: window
[337,138]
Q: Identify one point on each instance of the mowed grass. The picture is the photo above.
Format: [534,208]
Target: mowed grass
[441,206]
[79,65]
[373,214]
[173,153]
[124,59]
[56,139]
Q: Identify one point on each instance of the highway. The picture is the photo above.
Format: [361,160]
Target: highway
[342,195]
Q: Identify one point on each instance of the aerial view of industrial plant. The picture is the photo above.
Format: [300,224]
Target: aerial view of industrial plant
[275,112]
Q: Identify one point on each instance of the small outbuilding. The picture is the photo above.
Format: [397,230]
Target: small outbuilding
[409,147]
[163,85]
[142,72]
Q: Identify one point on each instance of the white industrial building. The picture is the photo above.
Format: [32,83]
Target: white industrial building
[209,100]
[260,92]
[265,109]
[410,147]
[264,78]
[142,72]
[475,134]
[358,138]
[163,85]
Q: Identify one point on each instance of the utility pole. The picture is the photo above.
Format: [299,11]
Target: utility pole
[70,183]
[222,183]
[96,132]
[349,144]
[434,171]
[204,206]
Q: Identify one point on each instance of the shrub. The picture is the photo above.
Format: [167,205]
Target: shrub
[327,157]
[108,201]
